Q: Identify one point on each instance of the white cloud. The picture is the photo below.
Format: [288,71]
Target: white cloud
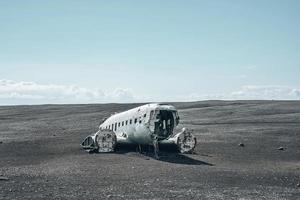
[249,92]
[276,92]
[12,92]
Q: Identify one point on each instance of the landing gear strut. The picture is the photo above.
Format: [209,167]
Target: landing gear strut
[156,148]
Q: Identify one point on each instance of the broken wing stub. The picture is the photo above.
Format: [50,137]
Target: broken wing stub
[89,143]
[104,141]
[186,141]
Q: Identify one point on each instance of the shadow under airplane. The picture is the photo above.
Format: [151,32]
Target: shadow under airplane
[180,159]
[167,154]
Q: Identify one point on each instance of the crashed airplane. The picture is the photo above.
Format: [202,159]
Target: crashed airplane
[150,124]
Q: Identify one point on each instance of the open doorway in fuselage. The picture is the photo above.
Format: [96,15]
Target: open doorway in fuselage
[164,124]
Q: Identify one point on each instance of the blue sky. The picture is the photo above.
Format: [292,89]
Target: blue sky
[128,51]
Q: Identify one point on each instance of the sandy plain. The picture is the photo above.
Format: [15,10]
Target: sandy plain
[40,155]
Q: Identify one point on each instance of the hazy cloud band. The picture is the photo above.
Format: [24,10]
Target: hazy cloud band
[12,92]
[16,93]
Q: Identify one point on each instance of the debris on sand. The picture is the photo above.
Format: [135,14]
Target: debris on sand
[280,148]
[241,144]
[3,178]
[298,184]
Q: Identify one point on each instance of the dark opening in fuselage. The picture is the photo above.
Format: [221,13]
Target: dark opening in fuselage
[164,124]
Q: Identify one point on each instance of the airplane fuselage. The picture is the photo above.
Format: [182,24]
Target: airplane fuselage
[150,124]
[143,124]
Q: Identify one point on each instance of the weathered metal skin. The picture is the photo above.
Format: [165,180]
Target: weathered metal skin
[186,142]
[103,141]
[106,141]
[150,124]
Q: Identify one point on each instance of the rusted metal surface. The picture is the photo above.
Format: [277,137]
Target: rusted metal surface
[106,141]
[102,141]
[186,141]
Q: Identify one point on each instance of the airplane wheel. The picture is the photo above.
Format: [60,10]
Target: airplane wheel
[106,141]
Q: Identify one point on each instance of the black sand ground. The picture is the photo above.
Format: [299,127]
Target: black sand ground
[40,156]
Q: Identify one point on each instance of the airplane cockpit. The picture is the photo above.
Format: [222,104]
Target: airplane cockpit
[163,123]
